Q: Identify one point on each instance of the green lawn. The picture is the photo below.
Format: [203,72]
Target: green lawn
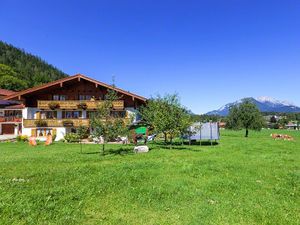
[239,181]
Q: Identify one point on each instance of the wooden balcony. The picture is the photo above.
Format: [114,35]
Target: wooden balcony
[56,122]
[74,104]
[11,119]
[60,122]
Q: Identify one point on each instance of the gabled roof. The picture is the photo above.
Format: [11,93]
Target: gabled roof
[5,92]
[77,76]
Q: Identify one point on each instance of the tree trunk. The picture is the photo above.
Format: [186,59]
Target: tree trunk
[171,141]
[103,148]
[165,134]
[247,132]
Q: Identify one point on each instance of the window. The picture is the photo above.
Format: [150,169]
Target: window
[48,114]
[13,113]
[85,97]
[59,97]
[71,114]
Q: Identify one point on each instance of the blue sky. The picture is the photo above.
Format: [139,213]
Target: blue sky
[210,52]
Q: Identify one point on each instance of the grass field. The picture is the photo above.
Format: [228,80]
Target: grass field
[239,181]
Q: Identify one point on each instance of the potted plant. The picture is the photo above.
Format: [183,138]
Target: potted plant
[82,105]
[53,105]
[68,123]
[41,123]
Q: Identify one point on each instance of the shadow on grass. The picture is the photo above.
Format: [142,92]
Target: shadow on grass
[110,151]
[186,143]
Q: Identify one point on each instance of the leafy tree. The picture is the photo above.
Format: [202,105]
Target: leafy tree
[12,83]
[82,132]
[9,80]
[185,120]
[245,115]
[6,71]
[104,124]
[166,115]
[283,121]
[273,119]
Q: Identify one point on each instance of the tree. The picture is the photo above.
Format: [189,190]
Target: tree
[273,119]
[9,80]
[104,124]
[245,115]
[166,115]
[6,71]
[185,120]
[26,68]
[82,132]
[12,83]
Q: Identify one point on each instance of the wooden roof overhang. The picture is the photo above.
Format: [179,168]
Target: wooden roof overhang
[70,80]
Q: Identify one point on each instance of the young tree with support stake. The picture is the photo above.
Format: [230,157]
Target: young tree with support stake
[82,132]
[104,124]
[245,115]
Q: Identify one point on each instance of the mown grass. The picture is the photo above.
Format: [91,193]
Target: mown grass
[239,181]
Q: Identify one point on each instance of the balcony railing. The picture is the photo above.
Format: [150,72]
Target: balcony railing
[60,122]
[11,119]
[75,104]
[56,122]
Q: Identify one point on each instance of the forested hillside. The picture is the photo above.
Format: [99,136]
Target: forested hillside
[20,70]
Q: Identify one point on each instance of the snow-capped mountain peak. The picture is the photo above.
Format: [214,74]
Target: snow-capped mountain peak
[264,99]
[265,104]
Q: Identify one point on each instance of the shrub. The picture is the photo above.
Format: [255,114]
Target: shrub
[83,132]
[22,138]
[72,137]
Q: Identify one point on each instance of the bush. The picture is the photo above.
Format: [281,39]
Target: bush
[22,138]
[72,137]
[83,132]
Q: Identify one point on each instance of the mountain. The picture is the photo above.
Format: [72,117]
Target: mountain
[20,70]
[265,104]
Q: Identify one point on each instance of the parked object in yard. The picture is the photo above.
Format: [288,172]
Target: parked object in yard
[139,131]
[141,149]
[284,137]
[124,140]
[151,137]
[99,140]
[204,131]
